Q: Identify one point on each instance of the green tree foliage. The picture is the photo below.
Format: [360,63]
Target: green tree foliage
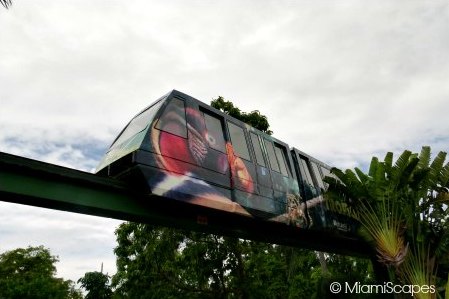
[166,263]
[155,262]
[345,269]
[403,211]
[254,118]
[30,273]
[97,285]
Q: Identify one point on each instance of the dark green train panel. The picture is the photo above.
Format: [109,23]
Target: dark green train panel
[182,150]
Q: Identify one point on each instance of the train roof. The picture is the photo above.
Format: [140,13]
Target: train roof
[310,158]
[125,146]
[122,146]
[226,116]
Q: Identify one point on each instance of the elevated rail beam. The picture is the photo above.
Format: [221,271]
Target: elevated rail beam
[35,183]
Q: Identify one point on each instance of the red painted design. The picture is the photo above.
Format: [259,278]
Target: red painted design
[239,171]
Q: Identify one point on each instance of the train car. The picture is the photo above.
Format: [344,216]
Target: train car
[180,149]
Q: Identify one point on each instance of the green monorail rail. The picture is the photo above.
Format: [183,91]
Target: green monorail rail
[35,183]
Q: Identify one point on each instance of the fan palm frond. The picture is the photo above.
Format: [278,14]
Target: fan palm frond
[398,169]
[388,162]
[373,166]
[362,177]
[407,172]
[436,168]
[447,288]
[424,157]
[419,269]
[339,174]
[444,176]
[402,208]
[384,226]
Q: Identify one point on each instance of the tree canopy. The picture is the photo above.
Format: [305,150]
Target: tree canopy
[30,273]
[155,262]
[254,118]
[96,284]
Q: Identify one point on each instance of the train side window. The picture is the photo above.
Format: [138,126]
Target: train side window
[238,141]
[272,156]
[257,149]
[280,155]
[173,119]
[305,171]
[326,172]
[215,135]
[318,176]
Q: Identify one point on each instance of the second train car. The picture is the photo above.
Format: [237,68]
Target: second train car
[185,150]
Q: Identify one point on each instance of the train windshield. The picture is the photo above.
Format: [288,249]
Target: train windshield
[138,124]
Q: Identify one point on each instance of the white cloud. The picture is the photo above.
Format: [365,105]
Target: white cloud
[340,80]
[81,242]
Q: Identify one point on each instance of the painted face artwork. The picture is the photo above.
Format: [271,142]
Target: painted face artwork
[190,146]
[187,151]
[239,171]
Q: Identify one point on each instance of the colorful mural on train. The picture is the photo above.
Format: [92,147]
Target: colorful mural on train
[189,151]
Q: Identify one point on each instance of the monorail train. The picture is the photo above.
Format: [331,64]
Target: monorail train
[185,150]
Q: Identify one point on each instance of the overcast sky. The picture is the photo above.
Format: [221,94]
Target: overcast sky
[340,80]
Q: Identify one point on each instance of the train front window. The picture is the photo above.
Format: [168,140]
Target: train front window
[173,120]
[138,124]
[238,141]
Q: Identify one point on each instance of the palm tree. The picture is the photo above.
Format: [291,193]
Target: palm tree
[402,209]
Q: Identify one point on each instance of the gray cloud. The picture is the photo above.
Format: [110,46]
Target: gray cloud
[340,80]
[81,242]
